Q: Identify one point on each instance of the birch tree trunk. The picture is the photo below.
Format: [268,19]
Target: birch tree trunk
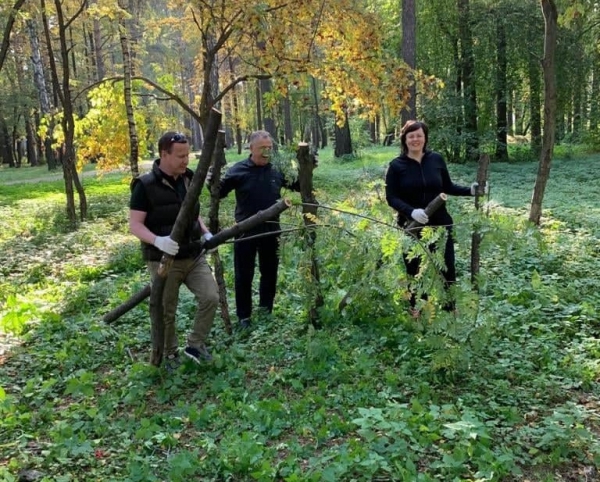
[124,28]
[39,79]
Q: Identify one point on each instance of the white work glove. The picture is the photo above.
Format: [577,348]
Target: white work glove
[166,245]
[206,237]
[420,216]
[475,185]
[209,174]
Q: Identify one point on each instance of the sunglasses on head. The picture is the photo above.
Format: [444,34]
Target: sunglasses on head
[178,138]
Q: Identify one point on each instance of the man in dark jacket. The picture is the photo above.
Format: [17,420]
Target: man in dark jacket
[156,198]
[257,184]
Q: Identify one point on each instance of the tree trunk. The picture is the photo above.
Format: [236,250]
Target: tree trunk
[39,80]
[482,178]
[32,153]
[68,119]
[595,92]
[97,47]
[306,164]
[268,119]
[235,108]
[501,86]
[319,132]
[458,90]
[409,55]
[549,68]
[6,148]
[259,113]
[468,79]
[218,163]
[343,141]
[535,104]
[124,27]
[287,120]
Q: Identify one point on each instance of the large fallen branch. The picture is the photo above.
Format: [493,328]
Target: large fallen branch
[218,239]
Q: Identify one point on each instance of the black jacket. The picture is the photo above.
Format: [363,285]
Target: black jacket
[164,203]
[256,188]
[413,185]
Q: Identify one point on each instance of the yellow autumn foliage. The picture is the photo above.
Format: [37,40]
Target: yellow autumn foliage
[103,135]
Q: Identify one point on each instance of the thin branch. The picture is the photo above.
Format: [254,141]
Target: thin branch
[7,29]
[349,212]
[81,8]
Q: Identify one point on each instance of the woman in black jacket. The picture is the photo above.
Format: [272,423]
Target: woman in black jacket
[413,180]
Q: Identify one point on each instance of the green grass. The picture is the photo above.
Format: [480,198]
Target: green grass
[507,391]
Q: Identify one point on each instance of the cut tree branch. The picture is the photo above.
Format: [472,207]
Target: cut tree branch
[218,239]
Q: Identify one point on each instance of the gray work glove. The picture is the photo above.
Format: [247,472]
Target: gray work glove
[475,185]
[166,245]
[420,216]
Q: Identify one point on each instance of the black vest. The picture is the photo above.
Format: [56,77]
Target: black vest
[164,205]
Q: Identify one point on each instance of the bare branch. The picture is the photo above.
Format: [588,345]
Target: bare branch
[7,29]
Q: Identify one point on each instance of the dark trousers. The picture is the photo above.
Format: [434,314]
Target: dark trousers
[244,259]
[449,274]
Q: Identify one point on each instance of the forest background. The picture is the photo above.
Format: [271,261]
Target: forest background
[506,391]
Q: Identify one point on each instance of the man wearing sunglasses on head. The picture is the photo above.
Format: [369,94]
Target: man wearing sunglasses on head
[156,198]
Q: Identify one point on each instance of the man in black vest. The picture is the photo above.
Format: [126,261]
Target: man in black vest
[156,198]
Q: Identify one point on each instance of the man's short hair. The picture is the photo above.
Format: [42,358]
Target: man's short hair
[169,138]
[256,135]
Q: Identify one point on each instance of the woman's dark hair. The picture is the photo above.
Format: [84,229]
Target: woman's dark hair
[169,138]
[411,126]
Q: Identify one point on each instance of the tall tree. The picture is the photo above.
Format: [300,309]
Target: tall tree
[409,55]
[128,70]
[468,79]
[501,91]
[343,140]
[39,80]
[62,87]
[548,65]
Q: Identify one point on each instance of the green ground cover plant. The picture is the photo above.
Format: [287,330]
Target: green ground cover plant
[507,390]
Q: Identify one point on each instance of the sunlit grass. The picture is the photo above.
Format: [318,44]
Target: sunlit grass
[371,389]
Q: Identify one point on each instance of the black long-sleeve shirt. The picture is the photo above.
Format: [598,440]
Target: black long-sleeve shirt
[256,187]
[412,185]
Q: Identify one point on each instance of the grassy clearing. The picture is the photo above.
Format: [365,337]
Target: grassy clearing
[507,391]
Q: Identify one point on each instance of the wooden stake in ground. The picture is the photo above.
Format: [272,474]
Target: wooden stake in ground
[306,164]
[222,236]
[184,219]
[482,176]
[217,165]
